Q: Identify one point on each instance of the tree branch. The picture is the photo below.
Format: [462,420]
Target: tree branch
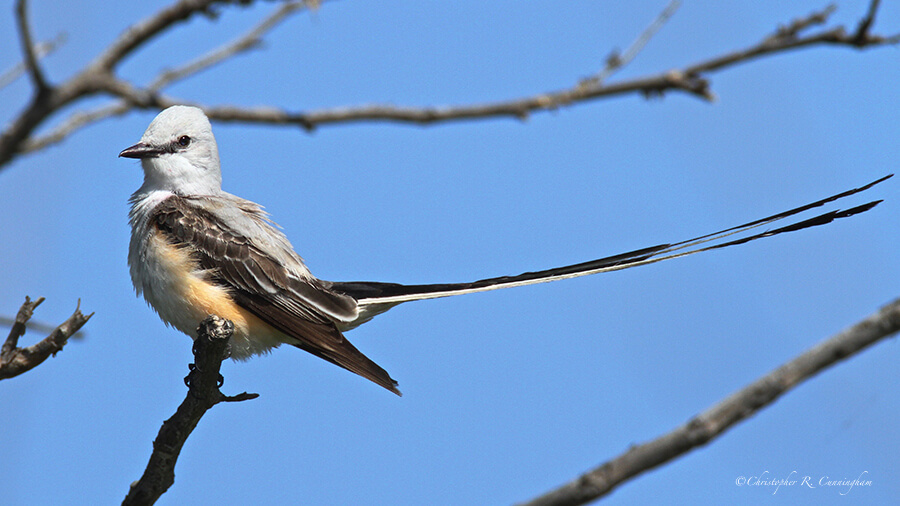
[41,49]
[98,78]
[75,122]
[28,48]
[865,24]
[37,326]
[798,25]
[80,119]
[15,361]
[690,79]
[617,60]
[204,380]
[742,404]
[246,42]
[787,39]
[145,30]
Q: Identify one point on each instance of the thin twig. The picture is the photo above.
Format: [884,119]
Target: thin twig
[716,420]
[865,24]
[15,360]
[27,42]
[250,40]
[18,328]
[43,328]
[787,39]
[689,79]
[616,60]
[798,25]
[98,78]
[204,380]
[41,49]
[75,122]
[141,32]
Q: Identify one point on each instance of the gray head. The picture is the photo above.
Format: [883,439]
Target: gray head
[178,153]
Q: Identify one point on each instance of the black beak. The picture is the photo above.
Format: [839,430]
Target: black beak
[140,150]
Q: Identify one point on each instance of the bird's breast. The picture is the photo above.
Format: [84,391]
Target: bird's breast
[183,295]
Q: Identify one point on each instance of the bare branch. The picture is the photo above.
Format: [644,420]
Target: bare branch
[204,380]
[616,60]
[798,25]
[143,31]
[41,49]
[27,42]
[742,404]
[43,328]
[689,79]
[15,361]
[75,122]
[246,42]
[865,24]
[98,78]
[150,97]
[18,327]
[786,39]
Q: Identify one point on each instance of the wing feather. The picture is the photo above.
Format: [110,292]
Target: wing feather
[299,306]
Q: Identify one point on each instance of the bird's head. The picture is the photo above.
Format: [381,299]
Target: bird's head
[178,153]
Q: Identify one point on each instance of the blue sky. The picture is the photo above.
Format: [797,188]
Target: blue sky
[510,393]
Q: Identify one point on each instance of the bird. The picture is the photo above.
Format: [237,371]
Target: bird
[196,250]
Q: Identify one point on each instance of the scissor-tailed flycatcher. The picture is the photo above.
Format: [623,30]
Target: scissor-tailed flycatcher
[197,250]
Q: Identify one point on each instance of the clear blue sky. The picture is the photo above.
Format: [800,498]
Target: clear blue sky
[510,393]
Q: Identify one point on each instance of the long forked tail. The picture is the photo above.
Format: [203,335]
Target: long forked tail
[382,296]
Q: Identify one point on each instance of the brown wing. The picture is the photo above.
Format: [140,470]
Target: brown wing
[300,308]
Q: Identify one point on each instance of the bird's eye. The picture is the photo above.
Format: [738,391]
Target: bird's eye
[184,140]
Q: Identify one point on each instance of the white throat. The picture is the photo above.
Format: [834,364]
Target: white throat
[178,174]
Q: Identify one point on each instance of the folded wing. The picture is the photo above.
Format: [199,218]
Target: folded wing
[299,306]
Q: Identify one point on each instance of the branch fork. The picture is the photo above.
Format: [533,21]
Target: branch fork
[15,360]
